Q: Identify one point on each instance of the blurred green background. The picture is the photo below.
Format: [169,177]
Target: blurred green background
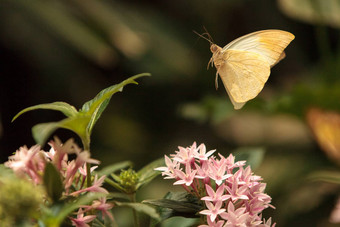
[69,50]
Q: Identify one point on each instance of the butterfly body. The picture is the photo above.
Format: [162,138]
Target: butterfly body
[244,64]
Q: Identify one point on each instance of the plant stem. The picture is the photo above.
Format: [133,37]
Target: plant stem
[135,214]
[86,144]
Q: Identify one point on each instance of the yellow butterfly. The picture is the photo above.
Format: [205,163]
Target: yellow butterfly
[244,64]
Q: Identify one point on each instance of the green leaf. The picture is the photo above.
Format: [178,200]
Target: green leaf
[253,155]
[147,173]
[96,106]
[113,168]
[63,107]
[330,176]
[118,196]
[80,122]
[52,182]
[142,208]
[41,132]
[177,204]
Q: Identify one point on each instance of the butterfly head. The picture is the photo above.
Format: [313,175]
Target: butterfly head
[215,49]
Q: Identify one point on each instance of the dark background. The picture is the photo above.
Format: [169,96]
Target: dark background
[70,50]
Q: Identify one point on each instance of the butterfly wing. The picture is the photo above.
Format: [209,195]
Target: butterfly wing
[269,43]
[244,74]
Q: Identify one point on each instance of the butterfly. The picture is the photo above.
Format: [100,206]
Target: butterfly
[244,64]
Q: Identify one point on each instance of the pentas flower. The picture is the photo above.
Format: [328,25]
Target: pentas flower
[82,220]
[96,187]
[168,171]
[232,194]
[30,163]
[186,178]
[213,210]
[201,154]
[100,205]
[215,196]
[234,217]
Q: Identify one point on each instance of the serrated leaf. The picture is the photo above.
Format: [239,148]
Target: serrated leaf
[52,182]
[253,155]
[113,168]
[326,176]
[140,207]
[97,105]
[147,173]
[41,132]
[63,107]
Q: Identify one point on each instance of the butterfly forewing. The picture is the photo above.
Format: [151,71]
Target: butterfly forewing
[244,74]
[269,43]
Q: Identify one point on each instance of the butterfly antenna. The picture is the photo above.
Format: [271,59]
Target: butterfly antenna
[202,36]
[207,33]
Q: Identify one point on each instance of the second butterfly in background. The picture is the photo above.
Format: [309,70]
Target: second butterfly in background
[244,64]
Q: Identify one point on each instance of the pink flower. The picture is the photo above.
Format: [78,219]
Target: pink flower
[82,221]
[28,161]
[234,217]
[96,187]
[58,152]
[202,155]
[213,223]
[213,210]
[237,188]
[217,172]
[267,223]
[82,170]
[215,196]
[203,172]
[168,171]
[73,166]
[185,155]
[102,206]
[235,192]
[230,161]
[186,178]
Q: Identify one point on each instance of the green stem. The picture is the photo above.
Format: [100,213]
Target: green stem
[135,214]
[86,144]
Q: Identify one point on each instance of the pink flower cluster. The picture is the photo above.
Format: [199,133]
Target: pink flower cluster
[30,163]
[232,194]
